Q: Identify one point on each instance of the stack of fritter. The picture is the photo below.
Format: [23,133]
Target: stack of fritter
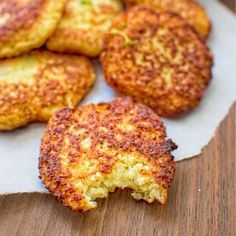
[35,84]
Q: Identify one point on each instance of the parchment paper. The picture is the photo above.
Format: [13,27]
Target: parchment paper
[19,150]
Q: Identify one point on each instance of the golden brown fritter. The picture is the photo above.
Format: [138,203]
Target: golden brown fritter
[83,26]
[27,24]
[157,59]
[92,150]
[35,85]
[190,10]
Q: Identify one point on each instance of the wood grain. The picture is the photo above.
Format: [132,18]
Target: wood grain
[201,202]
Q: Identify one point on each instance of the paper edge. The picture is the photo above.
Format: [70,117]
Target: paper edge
[226,8]
[213,136]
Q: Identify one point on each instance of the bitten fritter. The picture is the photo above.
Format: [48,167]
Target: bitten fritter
[158,59]
[25,25]
[83,25]
[92,150]
[190,10]
[37,84]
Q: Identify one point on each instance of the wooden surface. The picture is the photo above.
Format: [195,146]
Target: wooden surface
[230,4]
[202,201]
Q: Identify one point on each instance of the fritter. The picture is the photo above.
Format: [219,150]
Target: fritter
[27,24]
[35,85]
[92,150]
[158,59]
[83,26]
[190,10]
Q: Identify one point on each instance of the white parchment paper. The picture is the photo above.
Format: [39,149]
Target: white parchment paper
[19,150]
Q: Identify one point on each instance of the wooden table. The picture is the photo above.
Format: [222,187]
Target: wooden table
[202,201]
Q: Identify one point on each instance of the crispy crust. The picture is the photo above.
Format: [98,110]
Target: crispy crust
[82,27]
[107,127]
[190,10]
[157,59]
[35,85]
[25,25]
